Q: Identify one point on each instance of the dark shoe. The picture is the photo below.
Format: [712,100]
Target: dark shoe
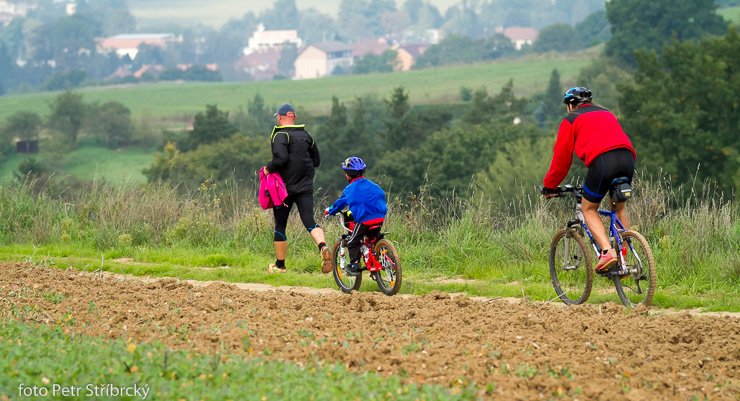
[354,269]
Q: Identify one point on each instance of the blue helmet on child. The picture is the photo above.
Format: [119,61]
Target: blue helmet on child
[353,164]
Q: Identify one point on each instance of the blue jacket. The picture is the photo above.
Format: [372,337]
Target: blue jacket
[365,198]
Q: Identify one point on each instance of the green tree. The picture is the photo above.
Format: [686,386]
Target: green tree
[503,108]
[238,157]
[120,21]
[211,126]
[451,49]
[288,54]
[552,106]
[398,124]
[385,62]
[110,122]
[558,38]
[336,142]
[603,76]
[594,29]
[514,167]
[64,80]
[640,25]
[682,111]
[201,73]
[497,45]
[67,114]
[31,170]
[24,125]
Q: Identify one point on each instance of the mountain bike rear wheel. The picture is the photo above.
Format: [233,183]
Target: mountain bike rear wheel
[389,277]
[639,286]
[340,264]
[570,267]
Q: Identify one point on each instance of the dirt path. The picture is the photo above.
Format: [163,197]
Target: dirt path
[520,350]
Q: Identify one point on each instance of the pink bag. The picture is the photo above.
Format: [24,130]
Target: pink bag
[272,190]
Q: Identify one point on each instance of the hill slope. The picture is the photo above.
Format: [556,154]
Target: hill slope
[530,74]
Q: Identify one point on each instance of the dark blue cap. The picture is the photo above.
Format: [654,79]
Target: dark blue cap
[284,109]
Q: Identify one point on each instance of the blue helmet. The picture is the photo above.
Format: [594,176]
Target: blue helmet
[577,95]
[353,164]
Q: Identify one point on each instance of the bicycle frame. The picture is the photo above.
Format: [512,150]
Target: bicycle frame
[615,226]
[368,244]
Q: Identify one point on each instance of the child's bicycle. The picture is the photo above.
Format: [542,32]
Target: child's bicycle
[378,255]
[571,260]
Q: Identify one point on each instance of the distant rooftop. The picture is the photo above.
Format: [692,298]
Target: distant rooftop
[143,36]
[332,47]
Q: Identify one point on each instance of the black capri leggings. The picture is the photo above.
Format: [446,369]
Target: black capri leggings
[304,202]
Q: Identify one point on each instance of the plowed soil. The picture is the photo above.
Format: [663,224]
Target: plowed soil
[516,350]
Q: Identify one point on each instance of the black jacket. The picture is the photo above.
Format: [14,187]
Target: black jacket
[294,156]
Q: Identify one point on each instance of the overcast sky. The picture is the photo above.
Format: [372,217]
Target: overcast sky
[217,12]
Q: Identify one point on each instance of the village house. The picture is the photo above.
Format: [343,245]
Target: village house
[372,46]
[323,59]
[407,54]
[128,44]
[260,65]
[262,39]
[11,10]
[521,36]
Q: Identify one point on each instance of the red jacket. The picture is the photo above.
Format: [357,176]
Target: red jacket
[590,131]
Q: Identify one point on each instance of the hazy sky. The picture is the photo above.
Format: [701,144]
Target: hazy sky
[217,12]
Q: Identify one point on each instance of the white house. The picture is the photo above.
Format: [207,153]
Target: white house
[262,39]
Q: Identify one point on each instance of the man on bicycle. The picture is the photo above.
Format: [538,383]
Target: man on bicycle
[598,139]
[366,201]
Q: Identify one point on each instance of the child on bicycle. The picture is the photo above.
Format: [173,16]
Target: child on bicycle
[366,201]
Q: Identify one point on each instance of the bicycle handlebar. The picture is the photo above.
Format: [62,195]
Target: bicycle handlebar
[560,191]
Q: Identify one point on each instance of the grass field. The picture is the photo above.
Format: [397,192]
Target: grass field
[215,13]
[530,74]
[94,162]
[731,14]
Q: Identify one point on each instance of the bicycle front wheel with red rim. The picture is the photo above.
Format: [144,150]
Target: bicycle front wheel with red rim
[390,275]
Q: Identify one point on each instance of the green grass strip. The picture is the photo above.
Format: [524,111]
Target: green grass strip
[522,279]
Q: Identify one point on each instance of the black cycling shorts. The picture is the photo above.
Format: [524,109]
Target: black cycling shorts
[604,169]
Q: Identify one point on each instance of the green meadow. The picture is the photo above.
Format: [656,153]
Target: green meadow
[94,162]
[731,14]
[434,85]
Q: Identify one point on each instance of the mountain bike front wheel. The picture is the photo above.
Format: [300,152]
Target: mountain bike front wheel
[340,264]
[637,287]
[570,267]
[389,277]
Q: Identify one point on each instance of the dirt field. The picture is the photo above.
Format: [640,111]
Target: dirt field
[520,350]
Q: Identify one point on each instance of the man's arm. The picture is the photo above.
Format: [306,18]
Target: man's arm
[562,157]
[279,152]
[314,152]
